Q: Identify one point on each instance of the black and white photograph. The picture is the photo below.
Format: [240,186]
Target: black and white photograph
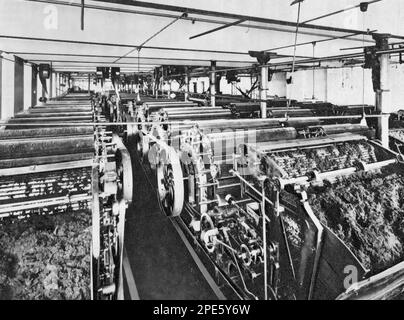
[201,154]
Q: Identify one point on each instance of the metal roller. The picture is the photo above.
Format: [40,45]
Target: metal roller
[45,132]
[45,118]
[46,146]
[60,108]
[294,112]
[46,114]
[348,127]
[232,124]
[191,110]
[200,116]
[169,104]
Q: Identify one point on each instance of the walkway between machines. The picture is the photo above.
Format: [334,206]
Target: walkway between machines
[161,264]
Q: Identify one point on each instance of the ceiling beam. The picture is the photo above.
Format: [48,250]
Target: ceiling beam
[116,56]
[168,15]
[122,45]
[94,62]
[315,41]
[159,6]
[131,46]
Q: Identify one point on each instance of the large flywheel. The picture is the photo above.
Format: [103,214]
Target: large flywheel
[123,170]
[125,176]
[170,182]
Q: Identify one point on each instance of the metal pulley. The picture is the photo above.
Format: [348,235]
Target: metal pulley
[124,175]
[170,182]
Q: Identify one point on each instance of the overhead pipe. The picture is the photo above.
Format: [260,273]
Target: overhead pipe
[138,48]
[362,4]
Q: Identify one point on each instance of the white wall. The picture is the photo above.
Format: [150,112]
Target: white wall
[345,86]
[228,88]
[397,86]
[201,83]
[7,96]
[27,86]
[277,85]
[340,86]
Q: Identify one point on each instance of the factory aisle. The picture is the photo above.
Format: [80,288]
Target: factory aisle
[161,264]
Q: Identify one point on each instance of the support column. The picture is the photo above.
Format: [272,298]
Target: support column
[18,85]
[138,91]
[89,83]
[217,88]
[383,95]
[169,88]
[186,95]
[263,90]
[57,84]
[160,82]
[51,83]
[213,83]
[157,83]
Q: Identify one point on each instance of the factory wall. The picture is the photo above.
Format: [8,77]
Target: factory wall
[18,88]
[7,81]
[396,87]
[200,84]
[346,86]
[277,85]
[230,88]
[336,85]
[302,85]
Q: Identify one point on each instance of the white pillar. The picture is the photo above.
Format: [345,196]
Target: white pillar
[51,84]
[383,96]
[213,83]
[89,83]
[263,90]
[186,96]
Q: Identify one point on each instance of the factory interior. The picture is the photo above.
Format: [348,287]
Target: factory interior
[201,150]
